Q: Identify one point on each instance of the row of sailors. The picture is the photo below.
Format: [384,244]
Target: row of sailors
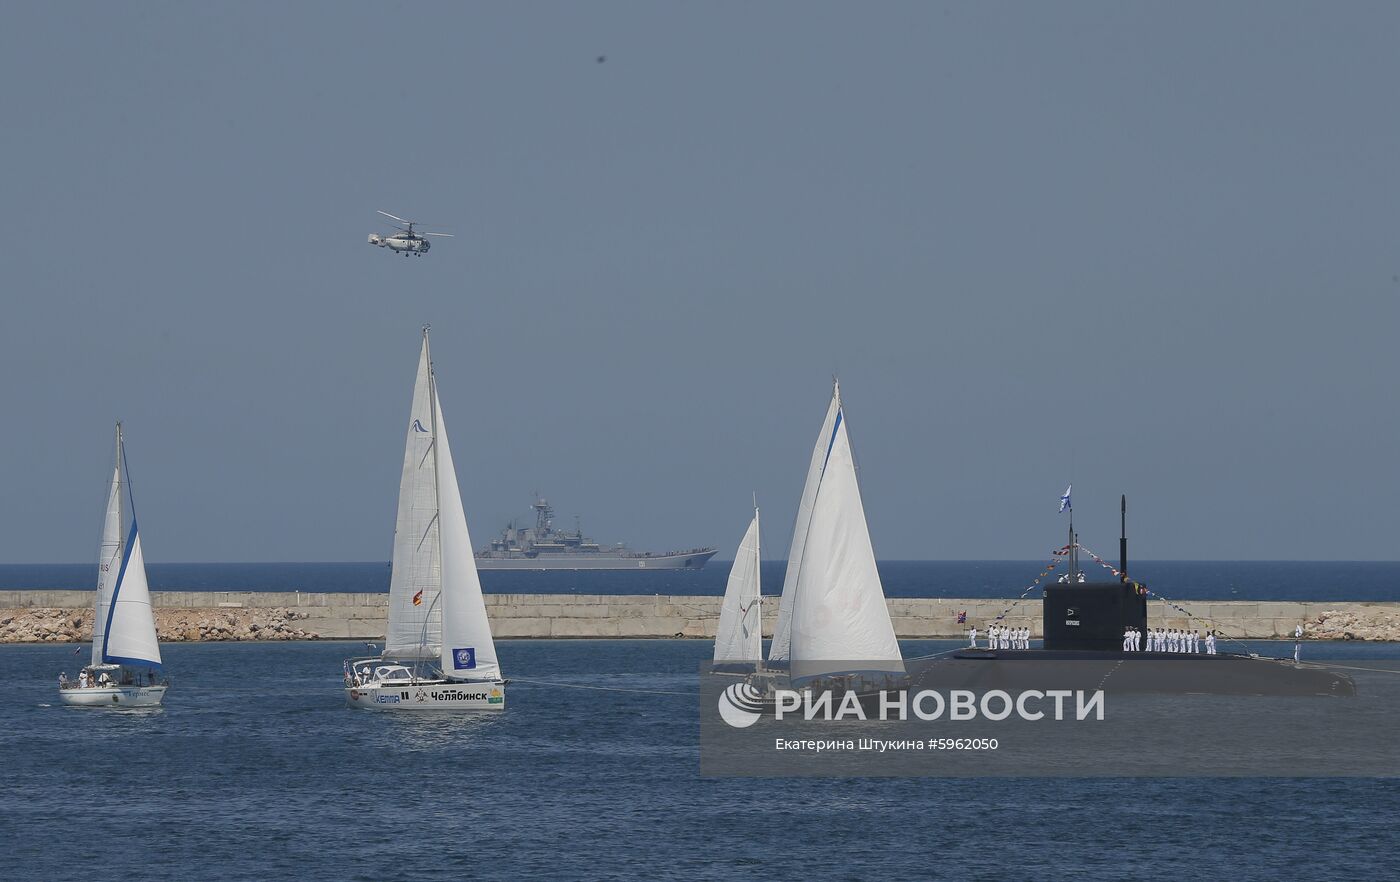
[1168,640]
[1001,637]
[1160,640]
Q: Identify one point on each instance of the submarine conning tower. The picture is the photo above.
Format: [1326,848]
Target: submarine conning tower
[1092,615]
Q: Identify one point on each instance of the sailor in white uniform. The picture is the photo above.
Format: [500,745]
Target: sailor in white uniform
[972,637]
[1127,640]
[991,636]
[1195,641]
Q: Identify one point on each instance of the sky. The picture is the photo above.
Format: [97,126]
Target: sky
[1147,248]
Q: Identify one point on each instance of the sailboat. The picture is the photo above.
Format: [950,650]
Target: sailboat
[782,629]
[438,651]
[125,667]
[739,638]
[832,618]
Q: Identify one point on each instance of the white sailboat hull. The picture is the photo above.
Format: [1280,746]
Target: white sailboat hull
[485,695]
[113,696]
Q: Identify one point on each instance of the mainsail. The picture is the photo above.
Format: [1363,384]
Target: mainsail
[124,626]
[468,652]
[415,613]
[840,622]
[782,630]
[739,638]
[109,556]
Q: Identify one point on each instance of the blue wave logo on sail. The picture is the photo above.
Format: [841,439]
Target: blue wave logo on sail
[418,426]
[741,705]
[464,659]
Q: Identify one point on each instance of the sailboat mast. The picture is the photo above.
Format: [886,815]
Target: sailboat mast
[432,412]
[758,576]
[121,473]
[437,503]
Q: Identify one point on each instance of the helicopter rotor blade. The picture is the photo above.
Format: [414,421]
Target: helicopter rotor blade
[444,235]
[394,216]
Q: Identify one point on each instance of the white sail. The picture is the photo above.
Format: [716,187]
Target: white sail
[130,637]
[415,612]
[840,622]
[109,556]
[739,638]
[782,630]
[468,652]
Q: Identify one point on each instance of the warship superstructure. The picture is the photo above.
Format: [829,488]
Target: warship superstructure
[542,547]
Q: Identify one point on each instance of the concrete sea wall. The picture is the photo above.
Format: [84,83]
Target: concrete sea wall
[60,615]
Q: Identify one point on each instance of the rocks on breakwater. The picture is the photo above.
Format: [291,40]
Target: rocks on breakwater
[1366,623]
[48,625]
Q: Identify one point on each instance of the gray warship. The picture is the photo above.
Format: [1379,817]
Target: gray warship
[542,547]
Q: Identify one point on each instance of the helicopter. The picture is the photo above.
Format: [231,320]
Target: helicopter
[406,240]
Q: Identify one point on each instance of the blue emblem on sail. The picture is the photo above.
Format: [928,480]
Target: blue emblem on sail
[418,426]
[464,659]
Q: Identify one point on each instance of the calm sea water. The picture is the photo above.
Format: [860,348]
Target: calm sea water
[254,769]
[1184,580]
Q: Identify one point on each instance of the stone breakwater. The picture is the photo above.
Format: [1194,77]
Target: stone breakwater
[51,625]
[220,615]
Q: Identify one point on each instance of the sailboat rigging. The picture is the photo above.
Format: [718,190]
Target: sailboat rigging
[436,609]
[125,667]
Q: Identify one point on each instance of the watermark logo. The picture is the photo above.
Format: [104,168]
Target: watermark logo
[741,705]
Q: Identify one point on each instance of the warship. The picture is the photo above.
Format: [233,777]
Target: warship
[542,547]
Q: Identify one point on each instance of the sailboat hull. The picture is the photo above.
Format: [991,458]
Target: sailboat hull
[113,696]
[438,696]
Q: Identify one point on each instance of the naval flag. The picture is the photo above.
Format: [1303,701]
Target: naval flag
[1064,500]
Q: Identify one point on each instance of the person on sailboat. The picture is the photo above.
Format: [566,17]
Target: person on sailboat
[82,679]
[62,680]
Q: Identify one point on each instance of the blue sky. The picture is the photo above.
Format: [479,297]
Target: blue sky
[1148,248]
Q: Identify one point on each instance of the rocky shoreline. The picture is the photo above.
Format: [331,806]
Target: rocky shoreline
[66,617]
[1364,624]
[51,625]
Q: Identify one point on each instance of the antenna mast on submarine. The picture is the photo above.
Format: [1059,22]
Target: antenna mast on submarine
[1123,538]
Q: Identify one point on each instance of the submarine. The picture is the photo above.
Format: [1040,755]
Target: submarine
[1082,647]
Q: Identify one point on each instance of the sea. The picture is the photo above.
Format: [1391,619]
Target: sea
[255,769]
[1173,579]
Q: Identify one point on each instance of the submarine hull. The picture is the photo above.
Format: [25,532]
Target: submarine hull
[1132,672]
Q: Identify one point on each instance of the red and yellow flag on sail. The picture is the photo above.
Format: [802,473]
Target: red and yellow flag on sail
[418,598]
